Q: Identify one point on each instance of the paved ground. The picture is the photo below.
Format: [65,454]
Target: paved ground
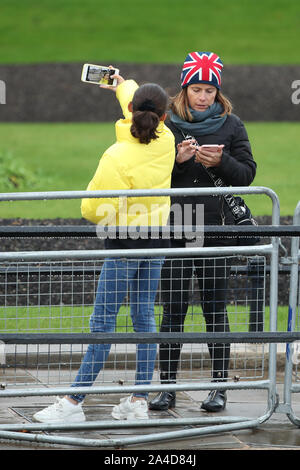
[278,432]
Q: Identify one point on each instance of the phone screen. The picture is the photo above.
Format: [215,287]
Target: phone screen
[101,75]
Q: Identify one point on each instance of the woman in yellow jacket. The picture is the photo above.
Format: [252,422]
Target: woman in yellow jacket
[141,158]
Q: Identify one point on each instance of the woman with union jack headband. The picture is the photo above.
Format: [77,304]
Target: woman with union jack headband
[201,115]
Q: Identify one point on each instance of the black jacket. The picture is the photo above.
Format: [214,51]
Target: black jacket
[237,168]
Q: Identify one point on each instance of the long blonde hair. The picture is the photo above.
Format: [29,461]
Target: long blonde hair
[180,106]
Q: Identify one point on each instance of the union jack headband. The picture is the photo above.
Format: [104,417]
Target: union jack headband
[201,67]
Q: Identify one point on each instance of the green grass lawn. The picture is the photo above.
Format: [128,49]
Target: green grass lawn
[75,319]
[62,157]
[240,31]
[65,156]
[276,152]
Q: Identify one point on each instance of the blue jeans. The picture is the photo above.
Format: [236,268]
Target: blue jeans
[117,274]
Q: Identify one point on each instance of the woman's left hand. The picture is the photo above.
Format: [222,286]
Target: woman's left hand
[209,157]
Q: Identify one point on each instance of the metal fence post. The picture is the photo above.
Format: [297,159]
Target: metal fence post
[291,354]
[256,274]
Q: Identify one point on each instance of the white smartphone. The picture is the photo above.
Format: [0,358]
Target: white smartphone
[98,74]
[211,147]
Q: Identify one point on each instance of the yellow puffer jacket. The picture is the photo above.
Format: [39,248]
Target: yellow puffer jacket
[128,164]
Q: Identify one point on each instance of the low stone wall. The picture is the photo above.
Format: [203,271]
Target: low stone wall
[55,93]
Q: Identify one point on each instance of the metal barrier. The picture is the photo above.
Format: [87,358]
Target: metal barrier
[58,297]
[293,350]
[207,425]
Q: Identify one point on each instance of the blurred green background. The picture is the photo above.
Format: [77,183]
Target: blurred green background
[156,31]
[42,157]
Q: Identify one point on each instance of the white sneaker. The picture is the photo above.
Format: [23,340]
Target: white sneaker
[128,409]
[62,411]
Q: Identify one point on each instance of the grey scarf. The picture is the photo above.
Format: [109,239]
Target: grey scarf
[206,122]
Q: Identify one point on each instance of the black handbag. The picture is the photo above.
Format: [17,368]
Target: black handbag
[246,219]
[241,212]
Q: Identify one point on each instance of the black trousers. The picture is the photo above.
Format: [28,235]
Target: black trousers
[212,275]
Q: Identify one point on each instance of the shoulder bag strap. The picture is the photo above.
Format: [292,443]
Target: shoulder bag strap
[237,210]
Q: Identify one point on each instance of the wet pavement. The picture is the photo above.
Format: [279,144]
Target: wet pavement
[276,433]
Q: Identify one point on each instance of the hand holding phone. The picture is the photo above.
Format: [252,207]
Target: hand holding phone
[99,75]
[210,155]
[117,79]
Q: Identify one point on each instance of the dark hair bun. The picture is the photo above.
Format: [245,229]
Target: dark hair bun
[148,105]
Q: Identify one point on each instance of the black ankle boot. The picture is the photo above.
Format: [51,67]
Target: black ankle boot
[216,401]
[163,401]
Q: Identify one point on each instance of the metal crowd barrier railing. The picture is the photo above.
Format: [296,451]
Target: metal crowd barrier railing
[293,350]
[208,425]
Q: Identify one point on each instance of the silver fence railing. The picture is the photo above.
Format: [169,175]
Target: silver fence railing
[291,383]
[208,425]
[58,297]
